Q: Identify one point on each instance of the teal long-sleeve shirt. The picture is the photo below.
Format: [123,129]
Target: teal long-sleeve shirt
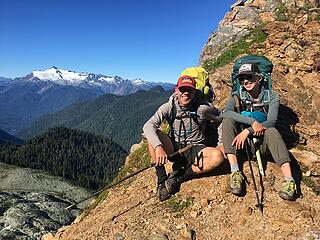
[271,116]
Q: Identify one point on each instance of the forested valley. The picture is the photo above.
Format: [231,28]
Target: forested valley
[88,160]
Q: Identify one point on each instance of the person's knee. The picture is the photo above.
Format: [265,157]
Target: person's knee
[211,158]
[217,154]
[227,124]
[271,132]
[216,157]
[229,130]
[165,141]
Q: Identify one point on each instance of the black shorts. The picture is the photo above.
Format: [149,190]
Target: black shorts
[189,157]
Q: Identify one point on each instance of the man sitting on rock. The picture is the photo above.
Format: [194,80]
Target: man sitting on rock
[257,121]
[186,114]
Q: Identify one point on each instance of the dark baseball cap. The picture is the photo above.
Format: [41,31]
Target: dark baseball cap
[248,69]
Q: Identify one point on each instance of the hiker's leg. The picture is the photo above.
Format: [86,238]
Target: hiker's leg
[236,182]
[161,173]
[229,131]
[166,143]
[273,140]
[208,159]
[168,147]
[199,159]
[286,170]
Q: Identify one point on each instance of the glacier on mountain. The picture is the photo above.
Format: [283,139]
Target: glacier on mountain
[88,80]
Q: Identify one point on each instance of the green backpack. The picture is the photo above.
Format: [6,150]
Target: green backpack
[265,67]
[203,86]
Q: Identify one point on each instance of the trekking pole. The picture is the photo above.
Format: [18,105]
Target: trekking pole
[179,152]
[259,205]
[258,156]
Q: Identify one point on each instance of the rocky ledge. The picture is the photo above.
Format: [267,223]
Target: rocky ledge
[32,203]
[29,215]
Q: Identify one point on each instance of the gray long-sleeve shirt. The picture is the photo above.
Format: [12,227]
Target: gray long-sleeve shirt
[272,114]
[195,130]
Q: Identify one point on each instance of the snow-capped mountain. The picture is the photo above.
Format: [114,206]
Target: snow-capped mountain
[106,84]
[24,99]
[4,81]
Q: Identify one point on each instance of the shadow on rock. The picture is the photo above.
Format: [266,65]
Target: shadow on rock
[286,123]
[296,173]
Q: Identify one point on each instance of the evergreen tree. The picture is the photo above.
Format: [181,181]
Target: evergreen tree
[82,157]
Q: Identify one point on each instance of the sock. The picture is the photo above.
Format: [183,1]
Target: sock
[234,167]
[161,173]
[188,174]
[288,179]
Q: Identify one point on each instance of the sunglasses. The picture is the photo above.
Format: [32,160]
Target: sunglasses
[186,89]
[250,79]
[246,77]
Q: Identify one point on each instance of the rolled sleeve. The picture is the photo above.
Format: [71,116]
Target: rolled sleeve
[151,126]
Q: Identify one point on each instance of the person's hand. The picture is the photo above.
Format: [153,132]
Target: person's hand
[240,139]
[161,156]
[258,129]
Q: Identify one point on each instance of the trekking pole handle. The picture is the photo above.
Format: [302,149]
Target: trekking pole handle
[258,155]
[180,151]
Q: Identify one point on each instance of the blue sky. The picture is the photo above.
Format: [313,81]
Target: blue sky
[149,39]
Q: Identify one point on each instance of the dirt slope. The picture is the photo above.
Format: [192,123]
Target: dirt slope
[204,209]
[132,211]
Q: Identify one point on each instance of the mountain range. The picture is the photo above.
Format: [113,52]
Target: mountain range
[100,83]
[24,99]
[119,118]
[8,138]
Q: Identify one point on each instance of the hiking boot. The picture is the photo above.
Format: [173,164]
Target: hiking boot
[237,183]
[288,190]
[174,181]
[162,192]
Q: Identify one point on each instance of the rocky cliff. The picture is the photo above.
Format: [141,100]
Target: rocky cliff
[291,40]
[287,32]
[32,202]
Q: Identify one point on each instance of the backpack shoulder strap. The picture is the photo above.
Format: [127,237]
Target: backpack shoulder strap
[266,101]
[236,100]
[172,116]
[194,115]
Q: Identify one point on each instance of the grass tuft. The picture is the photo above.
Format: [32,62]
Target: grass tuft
[282,13]
[178,204]
[139,159]
[306,7]
[256,35]
[311,184]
